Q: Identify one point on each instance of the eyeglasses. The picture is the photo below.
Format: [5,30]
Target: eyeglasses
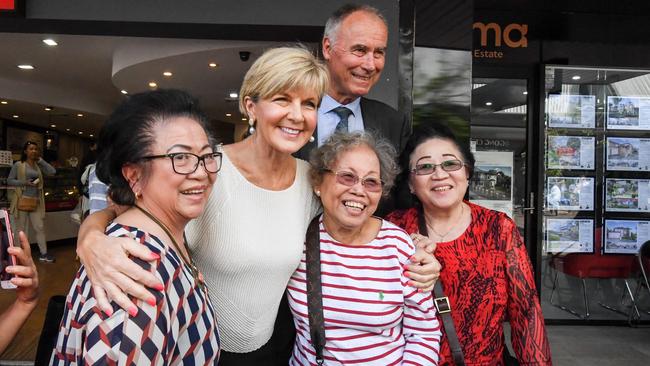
[349,179]
[187,163]
[429,168]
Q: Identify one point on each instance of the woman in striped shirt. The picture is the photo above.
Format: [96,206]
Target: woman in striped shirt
[372,313]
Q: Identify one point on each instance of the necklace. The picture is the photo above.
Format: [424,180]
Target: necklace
[458,221]
[198,277]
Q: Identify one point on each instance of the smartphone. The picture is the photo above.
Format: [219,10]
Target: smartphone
[35,180]
[6,259]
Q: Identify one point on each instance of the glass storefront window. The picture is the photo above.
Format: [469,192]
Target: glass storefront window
[596,184]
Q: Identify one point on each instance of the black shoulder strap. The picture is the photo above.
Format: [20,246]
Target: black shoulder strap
[444,309]
[314,290]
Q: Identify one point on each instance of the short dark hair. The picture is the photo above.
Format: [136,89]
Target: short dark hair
[420,135]
[128,135]
[23,155]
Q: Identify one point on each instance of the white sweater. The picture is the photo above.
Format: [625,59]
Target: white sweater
[247,244]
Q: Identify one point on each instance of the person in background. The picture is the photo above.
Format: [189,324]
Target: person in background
[372,313]
[486,272]
[249,241]
[28,200]
[26,281]
[157,155]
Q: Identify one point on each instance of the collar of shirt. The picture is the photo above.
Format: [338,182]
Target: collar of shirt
[327,119]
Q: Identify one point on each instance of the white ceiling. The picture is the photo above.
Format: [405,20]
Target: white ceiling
[84,74]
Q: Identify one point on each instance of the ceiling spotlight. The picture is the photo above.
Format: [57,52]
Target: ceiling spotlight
[91,135]
[67,129]
[488,103]
[525,93]
[26,67]
[213,64]
[53,126]
[15,116]
[167,74]
[228,114]
[152,84]
[81,133]
[233,95]
[50,42]
[576,77]
[4,102]
[124,92]
[244,119]
[80,115]
[49,108]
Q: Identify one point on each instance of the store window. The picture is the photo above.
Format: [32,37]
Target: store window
[596,189]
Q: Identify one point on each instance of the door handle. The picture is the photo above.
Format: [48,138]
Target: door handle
[531,202]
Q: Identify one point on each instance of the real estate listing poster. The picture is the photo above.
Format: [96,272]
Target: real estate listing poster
[569,236]
[570,193]
[628,154]
[628,113]
[492,182]
[627,195]
[625,236]
[570,152]
[571,111]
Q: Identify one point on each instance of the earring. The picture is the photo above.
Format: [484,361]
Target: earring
[317,193]
[251,123]
[138,195]
[311,138]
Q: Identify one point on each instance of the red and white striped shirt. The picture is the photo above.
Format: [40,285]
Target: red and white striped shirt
[372,316]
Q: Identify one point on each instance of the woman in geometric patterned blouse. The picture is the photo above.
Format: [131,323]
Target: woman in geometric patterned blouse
[486,272]
[155,152]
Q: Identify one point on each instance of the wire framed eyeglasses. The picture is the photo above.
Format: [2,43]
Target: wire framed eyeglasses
[349,179]
[428,168]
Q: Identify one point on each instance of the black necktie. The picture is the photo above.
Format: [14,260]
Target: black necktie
[343,114]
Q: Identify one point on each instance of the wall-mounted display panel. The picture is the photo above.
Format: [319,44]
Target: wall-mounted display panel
[570,193]
[571,111]
[628,154]
[628,113]
[569,236]
[571,152]
[625,236]
[627,195]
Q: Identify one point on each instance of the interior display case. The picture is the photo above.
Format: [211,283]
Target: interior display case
[61,190]
[596,151]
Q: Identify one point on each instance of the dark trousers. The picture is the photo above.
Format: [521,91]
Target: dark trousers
[276,352]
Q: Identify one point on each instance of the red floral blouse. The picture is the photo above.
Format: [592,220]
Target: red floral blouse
[487,275]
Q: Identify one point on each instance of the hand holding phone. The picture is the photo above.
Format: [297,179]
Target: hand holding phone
[35,181]
[6,259]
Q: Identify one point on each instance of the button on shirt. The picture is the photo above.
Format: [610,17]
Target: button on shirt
[327,119]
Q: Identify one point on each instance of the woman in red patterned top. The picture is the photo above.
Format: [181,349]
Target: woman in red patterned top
[486,272]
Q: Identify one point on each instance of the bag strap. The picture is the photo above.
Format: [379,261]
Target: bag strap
[314,289]
[441,301]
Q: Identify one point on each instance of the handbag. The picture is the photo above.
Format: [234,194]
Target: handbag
[27,204]
[441,301]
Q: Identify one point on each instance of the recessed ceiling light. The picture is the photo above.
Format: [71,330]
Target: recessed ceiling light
[488,103]
[67,129]
[26,67]
[244,119]
[233,95]
[124,92]
[15,116]
[81,133]
[50,42]
[4,102]
[167,73]
[213,64]
[91,135]
[525,93]
[576,77]
[152,84]
[53,126]
[49,108]
[80,115]
[228,114]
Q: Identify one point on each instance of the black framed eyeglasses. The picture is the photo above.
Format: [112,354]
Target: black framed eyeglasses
[349,179]
[428,168]
[186,163]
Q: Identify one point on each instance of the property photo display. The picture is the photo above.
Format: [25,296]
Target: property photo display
[628,113]
[569,236]
[625,236]
[627,195]
[492,181]
[570,152]
[571,111]
[570,193]
[628,154]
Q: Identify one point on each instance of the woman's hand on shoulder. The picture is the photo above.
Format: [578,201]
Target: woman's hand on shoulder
[424,269]
[112,274]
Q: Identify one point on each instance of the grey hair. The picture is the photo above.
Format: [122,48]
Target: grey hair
[339,15]
[324,157]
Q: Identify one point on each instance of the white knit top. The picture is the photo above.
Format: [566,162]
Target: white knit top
[247,244]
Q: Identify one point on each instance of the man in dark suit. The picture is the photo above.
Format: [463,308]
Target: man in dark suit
[354,48]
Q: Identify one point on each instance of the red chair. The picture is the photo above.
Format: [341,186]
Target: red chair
[593,266]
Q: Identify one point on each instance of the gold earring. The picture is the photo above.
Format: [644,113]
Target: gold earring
[317,193]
